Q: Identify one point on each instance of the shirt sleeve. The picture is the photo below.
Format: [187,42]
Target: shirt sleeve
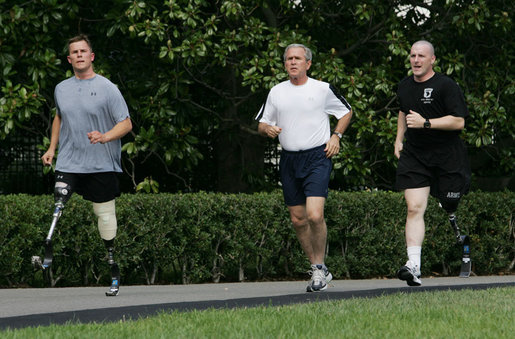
[455,101]
[117,105]
[57,109]
[268,112]
[335,103]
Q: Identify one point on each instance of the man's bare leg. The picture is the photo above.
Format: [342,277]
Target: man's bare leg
[311,229]
[416,202]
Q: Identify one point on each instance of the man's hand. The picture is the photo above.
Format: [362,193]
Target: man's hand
[273,131]
[97,137]
[48,157]
[398,149]
[332,147]
[414,120]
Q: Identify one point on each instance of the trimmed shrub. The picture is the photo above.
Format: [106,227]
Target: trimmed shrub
[213,237]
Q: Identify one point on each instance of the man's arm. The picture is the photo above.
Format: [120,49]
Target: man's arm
[333,145]
[446,123]
[54,140]
[401,129]
[115,133]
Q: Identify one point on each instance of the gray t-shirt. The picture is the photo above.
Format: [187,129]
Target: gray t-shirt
[84,106]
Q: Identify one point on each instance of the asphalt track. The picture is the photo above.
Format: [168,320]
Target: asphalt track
[21,308]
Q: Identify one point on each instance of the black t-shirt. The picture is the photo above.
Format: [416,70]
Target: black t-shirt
[434,98]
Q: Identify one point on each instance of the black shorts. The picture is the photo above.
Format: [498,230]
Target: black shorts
[446,170]
[304,174]
[95,187]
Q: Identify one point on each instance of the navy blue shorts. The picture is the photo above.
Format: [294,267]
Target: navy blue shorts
[304,174]
[95,187]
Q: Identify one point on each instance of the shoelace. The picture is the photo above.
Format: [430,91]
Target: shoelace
[317,276]
[413,269]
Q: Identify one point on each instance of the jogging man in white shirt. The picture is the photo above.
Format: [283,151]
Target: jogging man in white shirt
[297,111]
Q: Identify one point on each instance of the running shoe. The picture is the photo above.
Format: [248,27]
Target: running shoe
[318,280]
[410,273]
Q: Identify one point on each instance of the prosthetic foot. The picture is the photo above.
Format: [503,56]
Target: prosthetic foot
[464,241]
[114,289]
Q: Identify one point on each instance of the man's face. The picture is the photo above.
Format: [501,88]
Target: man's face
[296,64]
[421,60]
[80,56]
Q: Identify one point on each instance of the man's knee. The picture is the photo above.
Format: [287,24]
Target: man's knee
[298,222]
[106,214]
[316,217]
[416,208]
[416,200]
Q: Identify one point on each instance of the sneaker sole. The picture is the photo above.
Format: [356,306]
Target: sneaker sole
[112,293]
[311,289]
[405,274]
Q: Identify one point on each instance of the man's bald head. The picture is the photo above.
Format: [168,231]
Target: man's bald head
[426,44]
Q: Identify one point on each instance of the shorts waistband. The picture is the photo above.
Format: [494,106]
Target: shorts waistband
[322,147]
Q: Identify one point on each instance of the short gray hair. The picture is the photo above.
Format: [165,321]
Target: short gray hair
[427,43]
[307,52]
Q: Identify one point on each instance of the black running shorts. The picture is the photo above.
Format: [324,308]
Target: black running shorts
[95,187]
[304,174]
[446,170]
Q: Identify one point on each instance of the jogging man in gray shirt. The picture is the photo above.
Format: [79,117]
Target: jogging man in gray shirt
[91,118]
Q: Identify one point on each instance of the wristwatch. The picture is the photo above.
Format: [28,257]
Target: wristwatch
[427,124]
[338,134]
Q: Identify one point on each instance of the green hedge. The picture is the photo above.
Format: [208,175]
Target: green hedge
[205,237]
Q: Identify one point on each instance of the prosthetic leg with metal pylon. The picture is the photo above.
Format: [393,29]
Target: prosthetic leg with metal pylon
[450,206]
[62,193]
[115,270]
[462,240]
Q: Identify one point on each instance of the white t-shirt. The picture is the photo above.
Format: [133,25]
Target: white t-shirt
[303,113]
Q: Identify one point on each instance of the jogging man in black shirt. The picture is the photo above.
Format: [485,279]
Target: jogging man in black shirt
[432,158]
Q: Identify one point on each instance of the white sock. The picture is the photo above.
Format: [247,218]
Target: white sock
[414,253]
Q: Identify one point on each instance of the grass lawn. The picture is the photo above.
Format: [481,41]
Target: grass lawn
[441,314]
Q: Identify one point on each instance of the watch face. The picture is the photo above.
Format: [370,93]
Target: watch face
[427,124]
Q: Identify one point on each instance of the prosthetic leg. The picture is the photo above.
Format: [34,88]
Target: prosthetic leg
[107,227]
[115,271]
[62,193]
[461,240]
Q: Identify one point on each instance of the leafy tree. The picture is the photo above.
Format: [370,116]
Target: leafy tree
[196,72]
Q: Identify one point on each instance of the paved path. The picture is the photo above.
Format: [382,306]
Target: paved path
[42,306]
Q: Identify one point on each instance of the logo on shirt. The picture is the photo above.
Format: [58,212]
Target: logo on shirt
[427,92]
[93,93]
[427,96]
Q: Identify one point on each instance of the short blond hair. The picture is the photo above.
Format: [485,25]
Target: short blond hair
[80,37]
